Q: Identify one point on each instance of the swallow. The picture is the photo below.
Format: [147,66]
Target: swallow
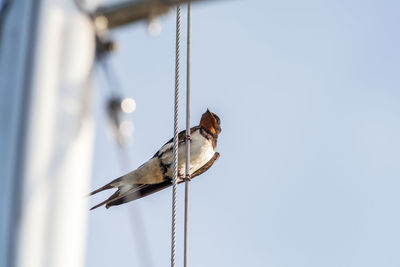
[156,174]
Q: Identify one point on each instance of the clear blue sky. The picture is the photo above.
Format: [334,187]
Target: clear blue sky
[308,93]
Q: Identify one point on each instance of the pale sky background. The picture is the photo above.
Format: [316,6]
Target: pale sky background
[308,94]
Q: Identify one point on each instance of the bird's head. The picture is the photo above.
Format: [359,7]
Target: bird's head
[211,123]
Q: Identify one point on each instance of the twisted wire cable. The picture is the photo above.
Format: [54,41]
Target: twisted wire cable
[175,147]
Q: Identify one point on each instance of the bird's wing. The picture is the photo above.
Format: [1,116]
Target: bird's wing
[148,189]
[181,139]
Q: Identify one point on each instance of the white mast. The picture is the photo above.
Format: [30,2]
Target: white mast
[46,52]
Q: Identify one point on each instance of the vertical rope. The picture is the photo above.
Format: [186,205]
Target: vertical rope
[187,176]
[113,84]
[175,148]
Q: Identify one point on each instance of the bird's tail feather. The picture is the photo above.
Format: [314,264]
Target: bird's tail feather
[111,198]
[119,196]
[107,186]
[139,192]
[99,205]
[113,184]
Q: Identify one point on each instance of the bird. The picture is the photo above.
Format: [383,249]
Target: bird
[156,174]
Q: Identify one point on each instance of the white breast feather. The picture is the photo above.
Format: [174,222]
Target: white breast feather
[201,151]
